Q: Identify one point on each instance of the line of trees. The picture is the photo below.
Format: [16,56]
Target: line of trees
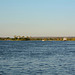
[23,38]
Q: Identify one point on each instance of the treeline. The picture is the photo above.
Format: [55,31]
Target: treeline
[16,38]
[23,38]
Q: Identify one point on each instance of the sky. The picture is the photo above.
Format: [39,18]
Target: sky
[37,18]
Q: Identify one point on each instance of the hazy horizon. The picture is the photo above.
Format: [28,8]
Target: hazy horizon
[37,18]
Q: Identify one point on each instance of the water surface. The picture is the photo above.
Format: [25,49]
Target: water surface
[37,57]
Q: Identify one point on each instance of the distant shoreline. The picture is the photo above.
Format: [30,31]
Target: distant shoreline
[22,38]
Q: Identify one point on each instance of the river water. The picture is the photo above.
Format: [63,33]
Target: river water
[37,57]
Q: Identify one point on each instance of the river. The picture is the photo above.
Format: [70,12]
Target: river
[37,57]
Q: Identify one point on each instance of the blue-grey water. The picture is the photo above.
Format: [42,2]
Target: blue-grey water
[37,57]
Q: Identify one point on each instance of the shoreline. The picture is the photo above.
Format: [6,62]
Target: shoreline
[22,38]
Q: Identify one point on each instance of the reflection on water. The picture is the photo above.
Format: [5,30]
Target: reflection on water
[37,58]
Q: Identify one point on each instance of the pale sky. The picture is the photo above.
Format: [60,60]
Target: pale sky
[37,18]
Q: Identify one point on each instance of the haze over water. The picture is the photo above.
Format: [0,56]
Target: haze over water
[37,57]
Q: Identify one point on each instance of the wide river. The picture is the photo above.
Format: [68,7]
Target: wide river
[37,57]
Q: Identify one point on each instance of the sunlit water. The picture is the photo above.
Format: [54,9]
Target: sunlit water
[37,58]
